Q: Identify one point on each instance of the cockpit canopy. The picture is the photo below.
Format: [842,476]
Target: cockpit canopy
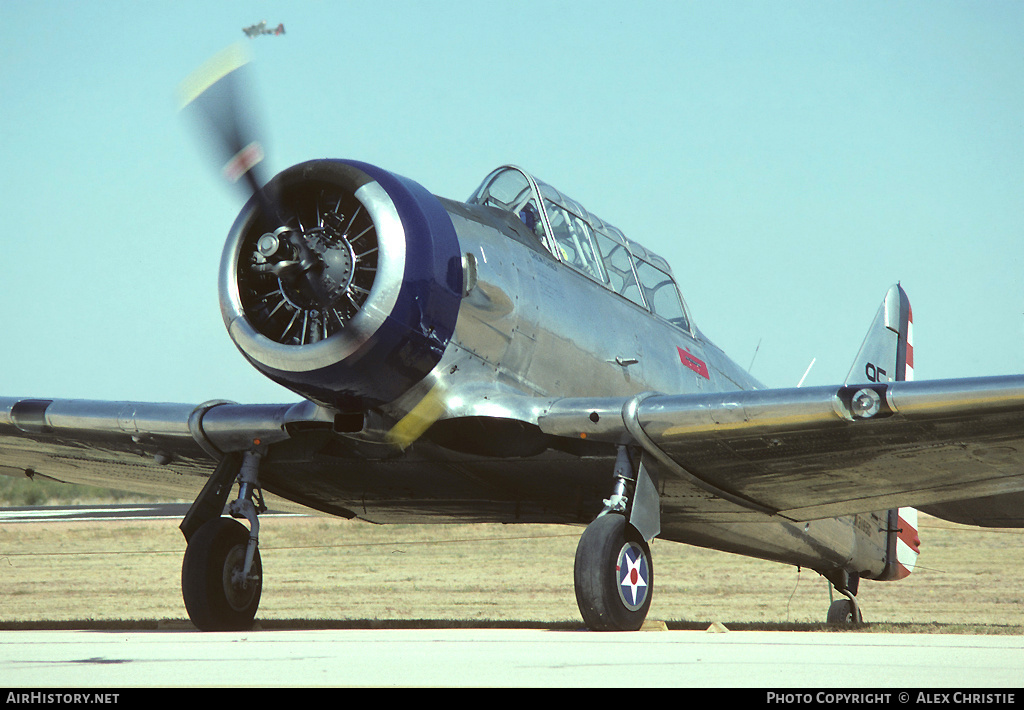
[586,243]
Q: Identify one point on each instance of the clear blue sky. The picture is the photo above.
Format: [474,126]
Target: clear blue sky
[791,160]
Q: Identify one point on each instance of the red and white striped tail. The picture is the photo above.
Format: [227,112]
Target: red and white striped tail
[908,542]
[909,372]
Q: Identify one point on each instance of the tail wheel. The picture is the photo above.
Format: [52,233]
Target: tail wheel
[842,612]
[215,597]
[613,575]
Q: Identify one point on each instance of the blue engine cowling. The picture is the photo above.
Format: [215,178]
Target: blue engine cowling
[342,282]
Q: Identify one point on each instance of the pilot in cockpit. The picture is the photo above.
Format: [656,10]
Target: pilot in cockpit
[531,219]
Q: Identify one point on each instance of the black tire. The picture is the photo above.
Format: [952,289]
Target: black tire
[841,613]
[610,596]
[215,552]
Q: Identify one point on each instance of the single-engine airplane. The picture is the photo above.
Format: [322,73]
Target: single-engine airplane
[515,358]
[260,28]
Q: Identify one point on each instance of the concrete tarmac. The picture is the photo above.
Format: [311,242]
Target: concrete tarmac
[509,658]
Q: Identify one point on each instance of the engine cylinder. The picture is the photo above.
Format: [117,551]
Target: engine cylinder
[342,282]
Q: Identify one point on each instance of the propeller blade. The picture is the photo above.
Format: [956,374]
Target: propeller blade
[420,418]
[218,96]
[216,93]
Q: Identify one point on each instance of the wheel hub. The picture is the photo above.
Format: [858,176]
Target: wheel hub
[632,573]
[238,592]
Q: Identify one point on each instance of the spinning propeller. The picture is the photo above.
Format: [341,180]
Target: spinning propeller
[306,276]
[215,92]
[309,254]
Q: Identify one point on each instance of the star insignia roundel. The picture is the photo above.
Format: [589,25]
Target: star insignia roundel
[633,574]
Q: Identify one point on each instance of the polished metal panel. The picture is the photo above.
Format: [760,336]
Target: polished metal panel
[804,455]
[676,416]
[631,419]
[949,398]
[225,426]
[593,418]
[70,416]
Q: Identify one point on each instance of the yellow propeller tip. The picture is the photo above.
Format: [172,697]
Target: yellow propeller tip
[212,71]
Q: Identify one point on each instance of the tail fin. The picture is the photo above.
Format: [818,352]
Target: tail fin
[904,543]
[887,354]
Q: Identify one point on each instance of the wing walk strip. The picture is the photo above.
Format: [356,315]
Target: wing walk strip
[632,423]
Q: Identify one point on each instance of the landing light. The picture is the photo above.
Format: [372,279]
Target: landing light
[865,404]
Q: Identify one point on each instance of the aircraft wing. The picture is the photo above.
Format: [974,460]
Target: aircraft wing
[812,453]
[159,449]
[951,447]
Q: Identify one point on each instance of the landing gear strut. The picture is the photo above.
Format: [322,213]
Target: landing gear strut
[845,612]
[222,573]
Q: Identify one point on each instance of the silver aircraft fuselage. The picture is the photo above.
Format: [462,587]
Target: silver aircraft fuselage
[538,328]
[540,302]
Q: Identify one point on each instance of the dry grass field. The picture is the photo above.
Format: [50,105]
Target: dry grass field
[330,572]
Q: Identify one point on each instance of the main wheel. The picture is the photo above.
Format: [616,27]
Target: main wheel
[613,575]
[214,598]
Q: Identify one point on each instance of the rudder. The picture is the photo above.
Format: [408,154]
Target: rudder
[887,354]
